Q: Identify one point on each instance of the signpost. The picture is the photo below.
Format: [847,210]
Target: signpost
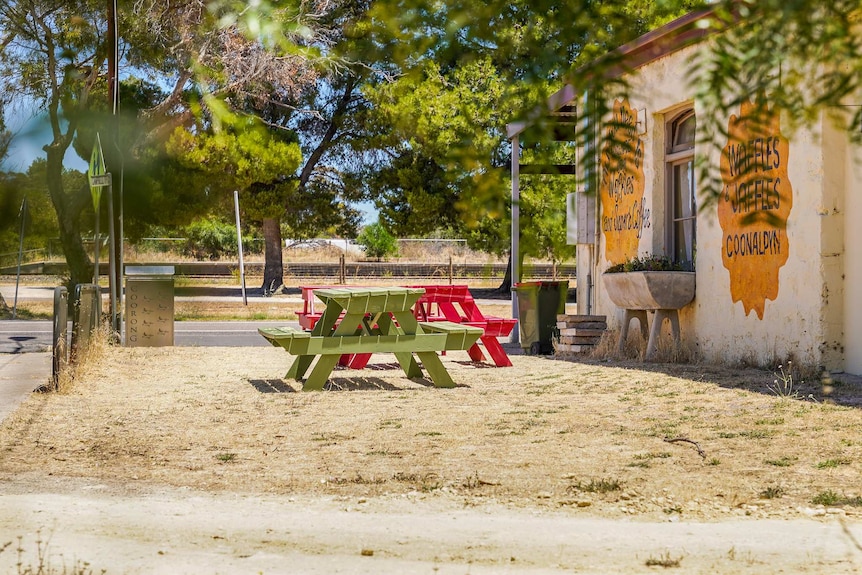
[23,215]
[239,245]
[99,178]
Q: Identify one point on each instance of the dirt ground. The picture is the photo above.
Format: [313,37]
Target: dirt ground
[548,466]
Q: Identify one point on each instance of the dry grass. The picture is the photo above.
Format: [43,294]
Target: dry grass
[634,348]
[86,360]
[543,433]
[257,309]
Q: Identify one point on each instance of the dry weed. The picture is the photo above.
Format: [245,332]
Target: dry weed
[87,360]
[608,347]
[667,351]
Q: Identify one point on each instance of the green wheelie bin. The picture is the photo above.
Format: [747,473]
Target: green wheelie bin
[539,303]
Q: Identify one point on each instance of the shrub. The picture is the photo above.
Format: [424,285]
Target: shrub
[210,240]
[377,241]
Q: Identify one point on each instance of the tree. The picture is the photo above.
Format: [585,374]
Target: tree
[41,224]
[447,153]
[329,118]
[806,56]
[53,53]
[245,156]
[281,67]
[5,136]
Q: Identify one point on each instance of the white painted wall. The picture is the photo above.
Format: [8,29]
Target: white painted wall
[853,263]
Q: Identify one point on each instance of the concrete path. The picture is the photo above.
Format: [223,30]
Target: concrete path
[143,529]
[20,374]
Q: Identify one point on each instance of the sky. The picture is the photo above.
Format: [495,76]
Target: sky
[31,133]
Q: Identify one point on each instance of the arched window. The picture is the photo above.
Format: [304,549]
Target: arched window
[681,193]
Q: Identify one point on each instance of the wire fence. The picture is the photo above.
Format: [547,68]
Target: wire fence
[335,272]
[419,259]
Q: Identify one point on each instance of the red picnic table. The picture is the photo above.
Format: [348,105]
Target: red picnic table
[452,303]
[309,315]
[455,303]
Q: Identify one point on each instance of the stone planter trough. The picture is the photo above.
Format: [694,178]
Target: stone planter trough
[663,292]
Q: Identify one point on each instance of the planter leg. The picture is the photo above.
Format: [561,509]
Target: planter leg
[660,315]
[630,314]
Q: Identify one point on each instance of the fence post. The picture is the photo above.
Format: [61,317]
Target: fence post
[341,270]
[88,312]
[60,356]
[451,271]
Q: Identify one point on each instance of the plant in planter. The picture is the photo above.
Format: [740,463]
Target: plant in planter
[649,282]
[646,263]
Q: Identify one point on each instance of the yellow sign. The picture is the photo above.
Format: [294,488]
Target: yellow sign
[754,206]
[97,168]
[624,215]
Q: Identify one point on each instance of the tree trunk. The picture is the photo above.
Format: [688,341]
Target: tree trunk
[506,286]
[273,270]
[4,309]
[68,218]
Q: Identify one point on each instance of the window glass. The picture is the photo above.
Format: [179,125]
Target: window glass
[682,195]
[684,133]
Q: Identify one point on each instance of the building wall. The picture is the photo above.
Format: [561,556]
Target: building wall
[788,301]
[853,261]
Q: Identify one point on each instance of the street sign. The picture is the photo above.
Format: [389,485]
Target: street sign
[100,181]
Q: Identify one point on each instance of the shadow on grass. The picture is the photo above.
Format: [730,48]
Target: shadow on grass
[271,386]
[837,389]
[360,384]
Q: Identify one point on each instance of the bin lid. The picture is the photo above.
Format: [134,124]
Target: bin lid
[149,270]
[542,284]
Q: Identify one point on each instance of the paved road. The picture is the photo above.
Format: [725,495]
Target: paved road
[26,336]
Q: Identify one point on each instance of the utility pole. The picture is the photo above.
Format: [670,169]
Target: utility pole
[115,200]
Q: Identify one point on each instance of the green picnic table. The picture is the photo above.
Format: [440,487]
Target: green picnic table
[371,320]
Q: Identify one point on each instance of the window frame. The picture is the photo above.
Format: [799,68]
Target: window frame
[679,154]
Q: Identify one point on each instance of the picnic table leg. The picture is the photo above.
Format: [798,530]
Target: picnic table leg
[449,311]
[406,324]
[408,364]
[318,376]
[476,353]
[496,351]
[326,363]
[299,367]
[355,360]
[359,360]
[436,370]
